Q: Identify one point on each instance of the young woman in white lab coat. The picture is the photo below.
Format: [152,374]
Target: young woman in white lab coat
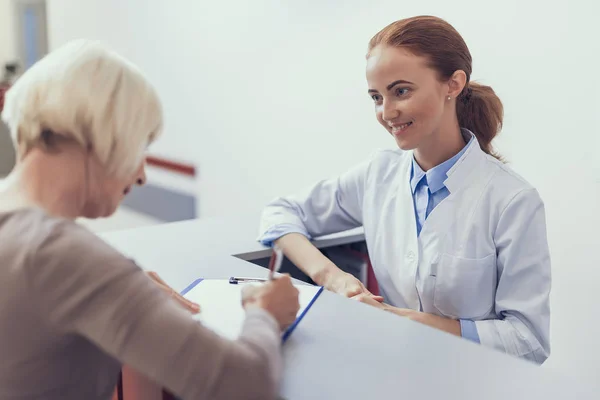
[457,240]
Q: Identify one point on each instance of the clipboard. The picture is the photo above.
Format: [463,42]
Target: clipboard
[135,386]
[225,300]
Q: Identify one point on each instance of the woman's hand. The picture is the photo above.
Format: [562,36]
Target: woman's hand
[435,321]
[185,303]
[347,285]
[371,300]
[278,297]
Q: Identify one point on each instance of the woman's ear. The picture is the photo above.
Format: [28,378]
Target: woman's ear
[457,83]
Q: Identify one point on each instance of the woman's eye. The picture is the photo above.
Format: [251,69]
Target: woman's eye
[376,98]
[401,91]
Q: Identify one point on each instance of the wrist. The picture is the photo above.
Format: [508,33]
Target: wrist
[325,275]
[454,327]
[250,303]
[257,305]
[255,312]
[395,310]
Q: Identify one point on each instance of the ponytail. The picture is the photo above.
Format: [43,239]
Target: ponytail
[480,111]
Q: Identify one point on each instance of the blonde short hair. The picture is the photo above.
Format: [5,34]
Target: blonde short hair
[84,92]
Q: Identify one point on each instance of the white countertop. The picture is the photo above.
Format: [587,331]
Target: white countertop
[343,349]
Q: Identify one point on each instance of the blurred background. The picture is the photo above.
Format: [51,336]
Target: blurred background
[264,97]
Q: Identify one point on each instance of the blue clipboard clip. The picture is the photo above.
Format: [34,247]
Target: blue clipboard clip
[237,280]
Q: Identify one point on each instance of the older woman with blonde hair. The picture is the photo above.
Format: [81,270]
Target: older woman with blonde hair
[72,309]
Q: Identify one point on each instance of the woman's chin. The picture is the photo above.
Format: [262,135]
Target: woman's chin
[405,144]
[109,211]
[406,140]
[100,211]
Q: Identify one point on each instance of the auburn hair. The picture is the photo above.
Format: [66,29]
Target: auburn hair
[478,107]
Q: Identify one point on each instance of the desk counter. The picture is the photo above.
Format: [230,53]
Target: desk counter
[343,349]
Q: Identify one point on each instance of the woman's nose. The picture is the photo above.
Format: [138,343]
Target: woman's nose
[390,112]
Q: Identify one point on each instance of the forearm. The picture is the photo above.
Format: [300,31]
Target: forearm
[307,257]
[195,363]
[254,361]
[137,324]
[448,325]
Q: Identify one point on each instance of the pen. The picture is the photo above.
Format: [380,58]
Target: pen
[275,261]
[235,280]
[274,266]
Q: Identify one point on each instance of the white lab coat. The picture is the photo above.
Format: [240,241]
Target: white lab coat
[482,253]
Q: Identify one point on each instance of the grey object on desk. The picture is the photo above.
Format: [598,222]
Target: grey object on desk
[344,349]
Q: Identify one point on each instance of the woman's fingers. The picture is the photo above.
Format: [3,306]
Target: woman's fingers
[187,304]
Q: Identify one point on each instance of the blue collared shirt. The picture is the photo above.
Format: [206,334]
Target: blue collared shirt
[428,188]
[428,191]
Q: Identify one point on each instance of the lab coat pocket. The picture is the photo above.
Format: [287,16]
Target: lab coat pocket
[464,287]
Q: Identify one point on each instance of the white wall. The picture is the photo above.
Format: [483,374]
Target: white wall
[269,95]
[8,50]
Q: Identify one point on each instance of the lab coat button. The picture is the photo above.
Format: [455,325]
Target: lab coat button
[410,256]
